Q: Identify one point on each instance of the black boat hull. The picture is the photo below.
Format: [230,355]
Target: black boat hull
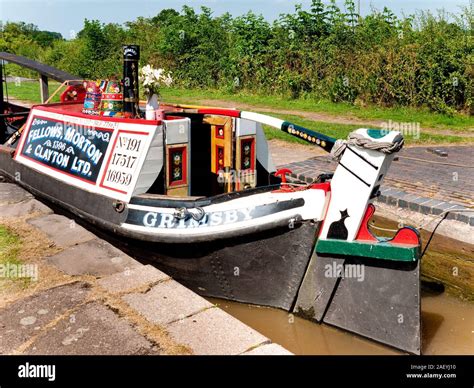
[264,268]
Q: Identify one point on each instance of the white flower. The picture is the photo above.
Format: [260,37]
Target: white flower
[157,73]
[152,79]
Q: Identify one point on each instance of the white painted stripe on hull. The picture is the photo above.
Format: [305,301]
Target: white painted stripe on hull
[215,230]
[315,203]
[314,208]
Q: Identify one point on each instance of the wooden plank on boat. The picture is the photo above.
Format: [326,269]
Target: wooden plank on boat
[45,70]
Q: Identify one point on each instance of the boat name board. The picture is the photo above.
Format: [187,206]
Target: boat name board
[99,156]
[67,147]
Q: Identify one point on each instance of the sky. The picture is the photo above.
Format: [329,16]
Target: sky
[67,16]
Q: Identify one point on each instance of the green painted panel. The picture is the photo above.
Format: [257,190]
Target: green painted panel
[381,250]
[376,133]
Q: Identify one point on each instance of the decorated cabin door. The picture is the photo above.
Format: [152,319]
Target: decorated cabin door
[222,152]
[178,156]
[245,154]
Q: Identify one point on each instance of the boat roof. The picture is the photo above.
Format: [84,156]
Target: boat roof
[75,109]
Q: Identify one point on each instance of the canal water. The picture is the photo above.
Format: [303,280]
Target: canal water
[448,328]
[447,317]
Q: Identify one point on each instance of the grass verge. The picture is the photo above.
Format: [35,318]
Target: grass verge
[10,245]
[29,91]
[340,131]
[426,118]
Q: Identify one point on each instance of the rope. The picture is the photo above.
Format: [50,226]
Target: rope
[382,229]
[432,235]
[359,140]
[296,184]
[385,147]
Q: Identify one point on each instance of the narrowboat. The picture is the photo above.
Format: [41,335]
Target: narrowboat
[195,191]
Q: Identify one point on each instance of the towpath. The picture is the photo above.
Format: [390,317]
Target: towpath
[428,180]
[325,117]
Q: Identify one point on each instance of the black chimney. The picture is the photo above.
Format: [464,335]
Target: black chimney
[131,98]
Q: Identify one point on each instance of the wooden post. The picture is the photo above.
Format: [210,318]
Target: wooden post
[3,127]
[44,90]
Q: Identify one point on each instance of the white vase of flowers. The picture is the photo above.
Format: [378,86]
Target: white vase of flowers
[152,105]
[152,80]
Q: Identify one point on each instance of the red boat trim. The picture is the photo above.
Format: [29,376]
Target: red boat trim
[250,141]
[218,165]
[183,166]
[220,111]
[328,194]
[406,236]
[364,234]
[325,186]
[132,132]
